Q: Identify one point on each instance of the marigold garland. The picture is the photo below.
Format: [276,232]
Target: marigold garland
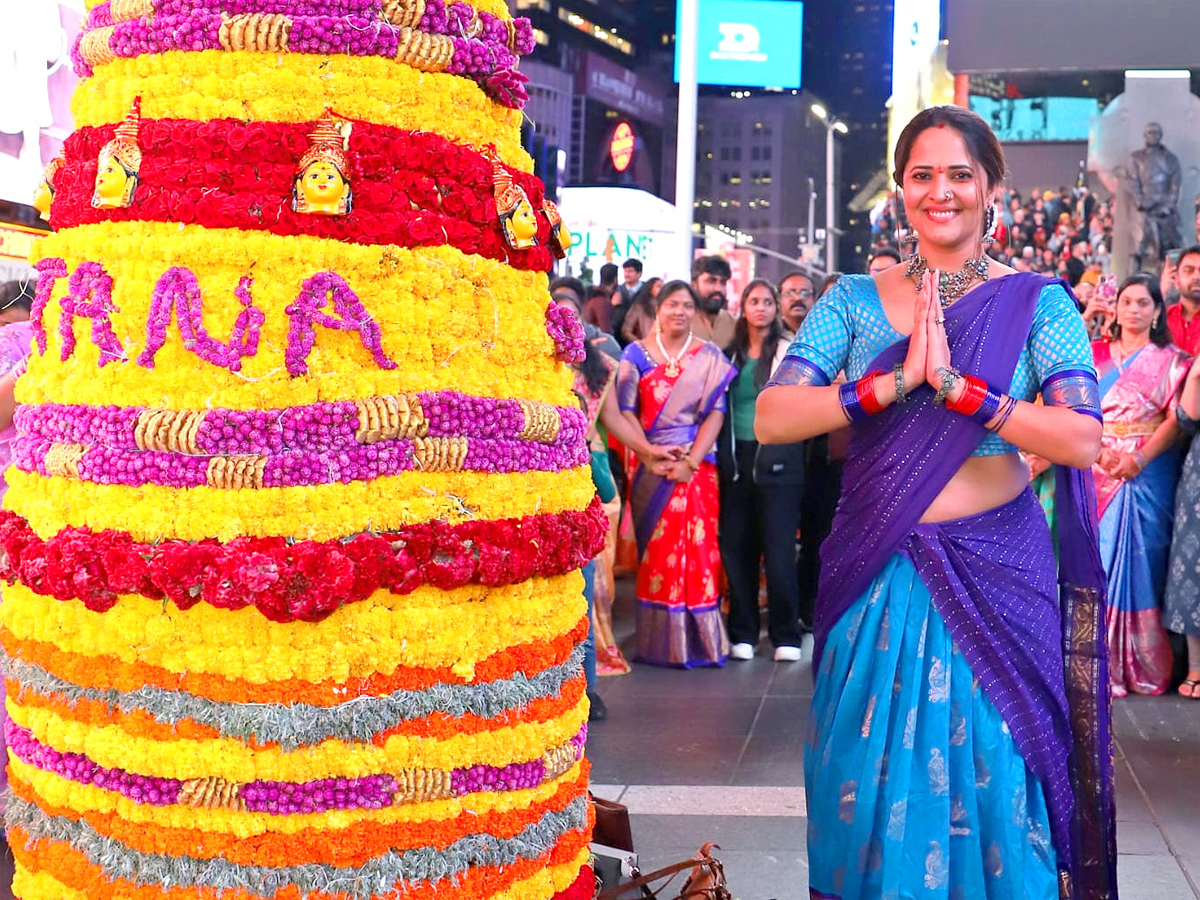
[231,760]
[107,672]
[342,845]
[484,48]
[525,880]
[435,307]
[304,612]
[357,641]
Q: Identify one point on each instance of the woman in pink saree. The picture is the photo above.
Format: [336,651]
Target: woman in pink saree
[1141,375]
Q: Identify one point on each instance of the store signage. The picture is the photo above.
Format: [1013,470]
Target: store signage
[620,146]
[749,43]
[603,80]
[17,242]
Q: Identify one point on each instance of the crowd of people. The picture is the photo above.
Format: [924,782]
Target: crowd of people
[714,514]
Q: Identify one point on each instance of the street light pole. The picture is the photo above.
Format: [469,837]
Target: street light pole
[831,125]
[687,41]
[830,212]
[812,203]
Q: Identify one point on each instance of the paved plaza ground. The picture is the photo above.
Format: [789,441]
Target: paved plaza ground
[716,754]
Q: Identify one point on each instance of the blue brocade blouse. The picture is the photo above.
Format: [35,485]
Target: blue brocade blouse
[848,328]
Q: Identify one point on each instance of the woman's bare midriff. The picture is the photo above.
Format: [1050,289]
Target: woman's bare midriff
[983,483]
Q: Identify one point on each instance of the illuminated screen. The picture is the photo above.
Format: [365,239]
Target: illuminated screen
[1038,118]
[748,43]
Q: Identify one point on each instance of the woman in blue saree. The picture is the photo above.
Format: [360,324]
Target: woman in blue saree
[960,743]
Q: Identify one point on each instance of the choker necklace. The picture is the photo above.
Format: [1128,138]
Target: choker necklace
[951,285]
[672,361]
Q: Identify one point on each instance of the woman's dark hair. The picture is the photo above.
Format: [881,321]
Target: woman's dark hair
[16,293]
[593,369]
[827,282]
[673,287]
[981,142]
[739,348]
[1160,334]
[645,296]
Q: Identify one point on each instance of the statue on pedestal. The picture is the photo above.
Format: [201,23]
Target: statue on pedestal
[1155,177]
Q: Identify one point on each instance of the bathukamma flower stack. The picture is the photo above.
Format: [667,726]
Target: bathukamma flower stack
[300,492]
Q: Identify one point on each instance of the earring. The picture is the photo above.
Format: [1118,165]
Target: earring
[989,225]
[906,236]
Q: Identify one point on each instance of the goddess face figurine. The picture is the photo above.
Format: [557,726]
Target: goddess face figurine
[44,195]
[561,239]
[321,187]
[517,218]
[119,164]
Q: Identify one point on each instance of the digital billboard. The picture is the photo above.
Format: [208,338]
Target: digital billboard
[748,43]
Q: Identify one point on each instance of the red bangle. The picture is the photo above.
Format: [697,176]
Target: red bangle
[974,393]
[864,389]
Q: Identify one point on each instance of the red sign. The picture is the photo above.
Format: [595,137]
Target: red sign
[620,148]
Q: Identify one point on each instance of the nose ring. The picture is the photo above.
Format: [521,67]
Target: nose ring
[949,195]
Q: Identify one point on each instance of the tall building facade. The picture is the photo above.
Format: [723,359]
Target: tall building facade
[758,158]
[848,65]
[596,115]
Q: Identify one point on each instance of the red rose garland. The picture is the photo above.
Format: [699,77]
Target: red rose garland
[300,581]
[411,189]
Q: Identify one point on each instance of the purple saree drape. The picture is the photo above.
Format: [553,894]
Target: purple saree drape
[1044,668]
[700,388]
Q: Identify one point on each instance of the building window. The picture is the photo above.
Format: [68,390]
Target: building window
[542,39]
[725,154]
[604,35]
[543,5]
[737,154]
[766,153]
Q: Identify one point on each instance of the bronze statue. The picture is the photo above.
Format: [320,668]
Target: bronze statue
[1156,176]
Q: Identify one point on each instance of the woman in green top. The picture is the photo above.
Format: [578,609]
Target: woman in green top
[760,503]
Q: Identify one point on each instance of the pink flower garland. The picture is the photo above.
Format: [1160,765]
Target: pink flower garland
[306,311]
[564,329]
[178,291]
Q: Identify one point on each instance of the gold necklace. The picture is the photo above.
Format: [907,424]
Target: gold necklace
[672,361]
[951,285]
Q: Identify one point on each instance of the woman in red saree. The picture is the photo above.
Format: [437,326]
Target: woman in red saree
[1141,376]
[672,387]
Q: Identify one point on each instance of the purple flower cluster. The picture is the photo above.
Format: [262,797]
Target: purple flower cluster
[50,269]
[89,296]
[319,427]
[352,27]
[513,777]
[178,291]
[352,35]
[298,468]
[369,8]
[460,19]
[285,797]
[78,768]
[194,32]
[274,797]
[564,329]
[306,312]
[99,16]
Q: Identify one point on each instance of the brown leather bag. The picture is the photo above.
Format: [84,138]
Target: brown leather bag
[706,880]
[612,824]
